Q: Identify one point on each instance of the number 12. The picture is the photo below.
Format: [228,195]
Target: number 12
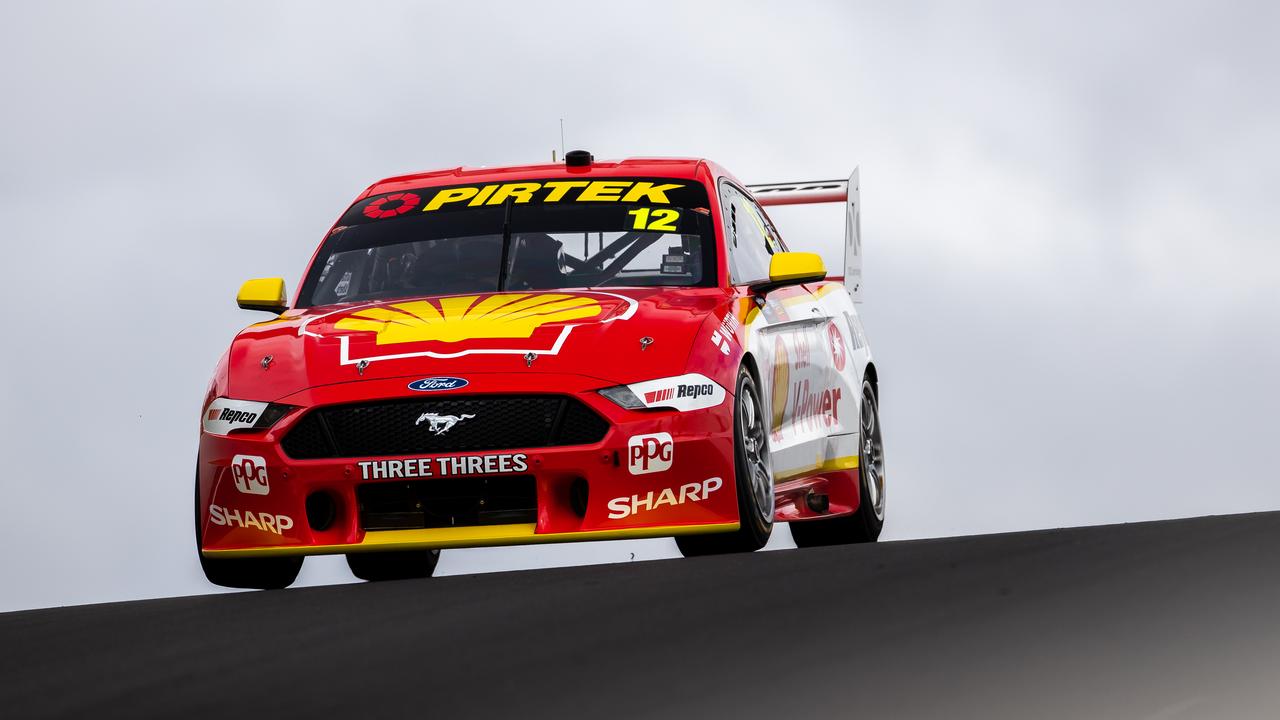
[663,219]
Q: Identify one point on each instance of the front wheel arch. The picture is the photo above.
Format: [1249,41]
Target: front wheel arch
[749,362]
[873,377]
[755,521]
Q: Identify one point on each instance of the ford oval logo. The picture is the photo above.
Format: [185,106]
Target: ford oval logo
[433,384]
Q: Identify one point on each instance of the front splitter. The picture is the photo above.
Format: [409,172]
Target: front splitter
[461,537]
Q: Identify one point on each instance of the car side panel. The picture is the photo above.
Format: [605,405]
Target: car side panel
[813,355]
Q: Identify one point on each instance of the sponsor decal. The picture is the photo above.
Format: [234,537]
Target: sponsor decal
[650,453]
[793,405]
[391,205]
[720,341]
[434,384]
[856,339]
[622,507]
[815,409]
[729,324]
[440,424]
[225,415]
[266,522]
[781,383]
[454,319]
[657,396]
[804,355]
[250,474]
[721,335]
[837,346]
[683,392]
[551,191]
[229,415]
[452,466]
[449,327]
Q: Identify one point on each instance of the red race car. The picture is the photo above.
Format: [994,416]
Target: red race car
[548,353]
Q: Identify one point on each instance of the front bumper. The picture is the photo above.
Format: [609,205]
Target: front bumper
[253,498]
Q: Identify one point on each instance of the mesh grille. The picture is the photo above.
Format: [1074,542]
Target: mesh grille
[419,427]
[308,439]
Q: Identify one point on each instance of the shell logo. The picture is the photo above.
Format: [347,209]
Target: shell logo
[781,381]
[454,319]
[837,346]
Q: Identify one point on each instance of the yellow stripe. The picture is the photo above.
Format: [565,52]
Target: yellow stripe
[272,321]
[832,465]
[815,295]
[479,536]
[829,287]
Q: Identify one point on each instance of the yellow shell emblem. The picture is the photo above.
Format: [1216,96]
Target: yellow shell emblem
[453,319]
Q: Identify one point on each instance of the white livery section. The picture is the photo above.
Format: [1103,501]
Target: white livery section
[813,348]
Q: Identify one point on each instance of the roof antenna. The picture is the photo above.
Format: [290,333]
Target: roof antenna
[561,137]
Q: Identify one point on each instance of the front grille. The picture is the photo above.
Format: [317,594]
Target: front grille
[448,502]
[398,427]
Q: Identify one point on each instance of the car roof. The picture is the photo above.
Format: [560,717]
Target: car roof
[680,168]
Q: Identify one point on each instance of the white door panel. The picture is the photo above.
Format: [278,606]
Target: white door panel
[812,354]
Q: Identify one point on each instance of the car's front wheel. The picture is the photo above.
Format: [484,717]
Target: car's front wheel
[265,573]
[754,479]
[396,565]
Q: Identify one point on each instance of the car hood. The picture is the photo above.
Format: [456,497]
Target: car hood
[594,333]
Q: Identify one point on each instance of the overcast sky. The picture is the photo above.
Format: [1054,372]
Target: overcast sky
[1072,241]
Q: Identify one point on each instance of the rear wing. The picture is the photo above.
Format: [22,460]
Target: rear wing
[827,191]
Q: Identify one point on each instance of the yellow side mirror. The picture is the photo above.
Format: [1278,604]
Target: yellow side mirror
[263,294]
[792,268]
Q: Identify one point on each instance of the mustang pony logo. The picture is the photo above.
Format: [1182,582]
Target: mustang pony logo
[441,424]
[513,323]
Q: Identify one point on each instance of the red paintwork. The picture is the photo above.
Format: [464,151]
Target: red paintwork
[306,371]
[704,447]
[840,487]
[304,362]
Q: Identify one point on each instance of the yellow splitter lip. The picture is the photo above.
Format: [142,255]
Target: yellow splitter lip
[477,536]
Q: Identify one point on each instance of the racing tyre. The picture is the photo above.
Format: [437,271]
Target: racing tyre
[269,573]
[865,524]
[398,565]
[754,479]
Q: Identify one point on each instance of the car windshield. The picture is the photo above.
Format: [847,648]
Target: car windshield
[527,235]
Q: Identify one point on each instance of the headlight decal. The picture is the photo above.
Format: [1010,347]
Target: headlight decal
[692,391]
[225,416]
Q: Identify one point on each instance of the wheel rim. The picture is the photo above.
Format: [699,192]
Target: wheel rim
[755,443]
[871,460]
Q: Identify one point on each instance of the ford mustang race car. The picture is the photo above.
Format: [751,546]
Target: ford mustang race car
[547,353]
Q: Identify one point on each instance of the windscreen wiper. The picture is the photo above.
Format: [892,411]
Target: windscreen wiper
[506,245]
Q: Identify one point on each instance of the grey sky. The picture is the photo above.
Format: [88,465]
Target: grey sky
[1073,274]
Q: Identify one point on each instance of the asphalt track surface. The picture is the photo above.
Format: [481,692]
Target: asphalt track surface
[1177,619]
